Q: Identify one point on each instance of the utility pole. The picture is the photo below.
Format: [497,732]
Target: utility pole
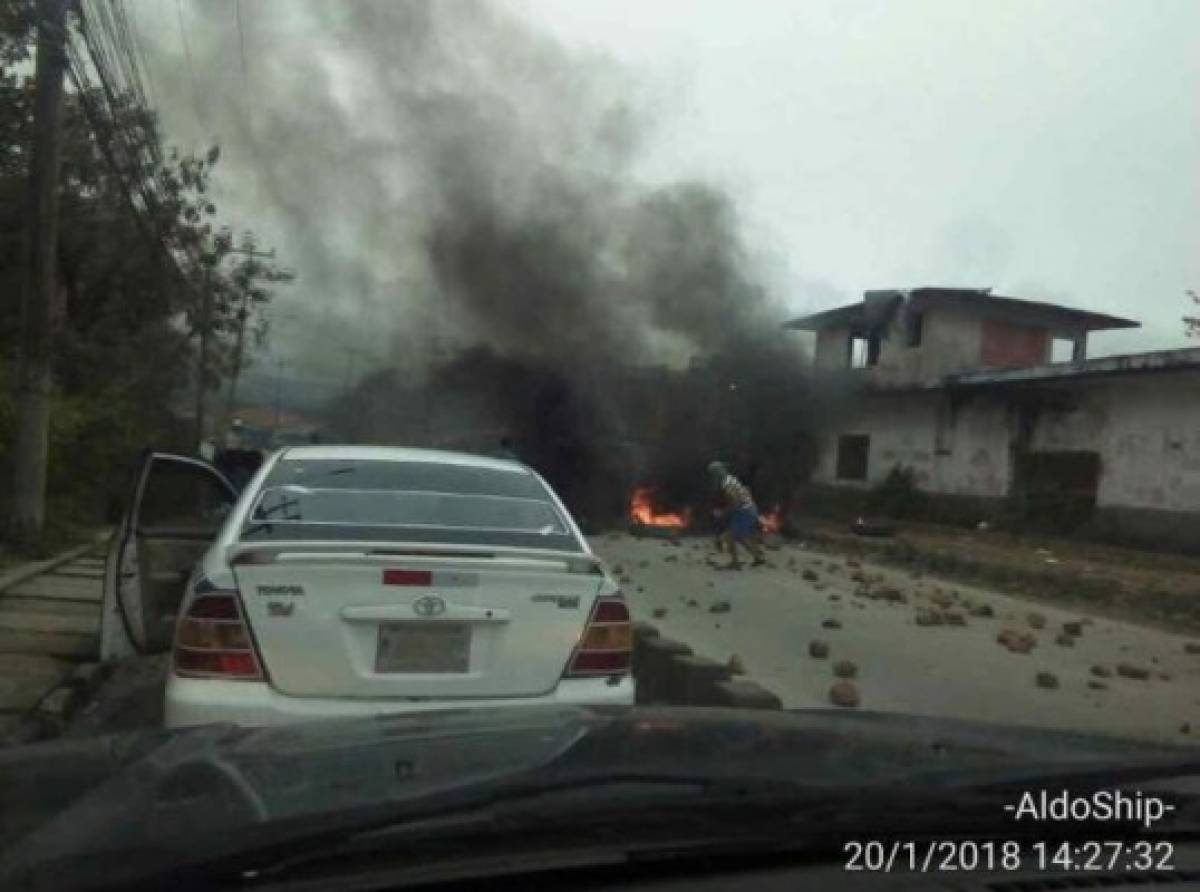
[202,353]
[239,343]
[279,364]
[40,300]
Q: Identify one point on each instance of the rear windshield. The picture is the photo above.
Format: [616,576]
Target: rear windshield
[405,501]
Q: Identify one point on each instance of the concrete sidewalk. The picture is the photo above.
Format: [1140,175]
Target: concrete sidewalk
[49,637]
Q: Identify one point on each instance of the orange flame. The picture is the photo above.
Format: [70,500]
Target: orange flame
[771,521]
[641,509]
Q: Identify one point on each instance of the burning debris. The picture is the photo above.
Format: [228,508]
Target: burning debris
[642,511]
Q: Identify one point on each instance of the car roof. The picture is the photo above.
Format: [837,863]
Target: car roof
[400,454]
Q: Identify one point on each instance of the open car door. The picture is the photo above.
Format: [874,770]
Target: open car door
[177,509]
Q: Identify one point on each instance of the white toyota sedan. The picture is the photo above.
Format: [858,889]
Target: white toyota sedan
[351,580]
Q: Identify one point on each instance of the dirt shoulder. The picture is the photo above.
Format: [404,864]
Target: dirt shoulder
[1157,589]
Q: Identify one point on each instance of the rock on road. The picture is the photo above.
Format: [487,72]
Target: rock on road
[942,669]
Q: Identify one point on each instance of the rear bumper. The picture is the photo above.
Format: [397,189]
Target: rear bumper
[201,701]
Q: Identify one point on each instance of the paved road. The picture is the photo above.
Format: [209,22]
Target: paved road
[941,670]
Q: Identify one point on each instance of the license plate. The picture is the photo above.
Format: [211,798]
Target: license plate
[423,647]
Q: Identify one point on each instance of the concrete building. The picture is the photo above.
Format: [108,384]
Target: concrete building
[993,408]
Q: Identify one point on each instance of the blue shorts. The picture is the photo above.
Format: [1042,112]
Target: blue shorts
[743,523]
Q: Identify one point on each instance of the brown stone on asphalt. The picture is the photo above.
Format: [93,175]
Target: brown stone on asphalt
[831,624]
[844,693]
[941,599]
[1075,628]
[1128,670]
[927,617]
[1065,640]
[818,649]
[1101,671]
[1191,647]
[1096,685]
[736,666]
[809,575]
[845,669]
[1017,642]
[659,612]
[1164,676]
[1047,680]
[1036,620]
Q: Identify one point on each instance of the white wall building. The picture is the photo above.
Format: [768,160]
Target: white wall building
[996,409]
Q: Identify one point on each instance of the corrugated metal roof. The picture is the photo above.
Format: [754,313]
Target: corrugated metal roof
[979,300]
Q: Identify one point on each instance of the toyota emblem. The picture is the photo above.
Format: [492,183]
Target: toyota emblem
[429,605]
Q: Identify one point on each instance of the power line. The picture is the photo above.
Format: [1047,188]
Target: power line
[191,71]
[237,11]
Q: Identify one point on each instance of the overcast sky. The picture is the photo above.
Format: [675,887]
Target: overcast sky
[1050,150]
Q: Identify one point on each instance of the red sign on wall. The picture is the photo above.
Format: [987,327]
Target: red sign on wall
[1010,346]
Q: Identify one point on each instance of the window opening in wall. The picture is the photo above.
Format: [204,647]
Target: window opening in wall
[1062,350]
[916,325]
[852,456]
[864,350]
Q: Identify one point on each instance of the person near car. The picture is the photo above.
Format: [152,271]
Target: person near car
[737,516]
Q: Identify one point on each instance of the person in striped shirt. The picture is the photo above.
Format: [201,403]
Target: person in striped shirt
[738,516]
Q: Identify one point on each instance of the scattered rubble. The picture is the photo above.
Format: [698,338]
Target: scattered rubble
[818,649]
[844,693]
[1101,671]
[692,602]
[831,624]
[1065,640]
[1036,620]
[845,669]
[719,607]
[1191,647]
[982,610]
[659,612]
[1128,670]
[1074,629]
[1097,685]
[1047,680]
[809,575]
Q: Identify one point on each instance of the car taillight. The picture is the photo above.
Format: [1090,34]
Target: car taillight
[604,648]
[213,641]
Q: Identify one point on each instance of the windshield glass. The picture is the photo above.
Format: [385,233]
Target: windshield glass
[372,361]
[316,499]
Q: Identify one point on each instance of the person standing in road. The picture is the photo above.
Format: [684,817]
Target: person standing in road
[738,516]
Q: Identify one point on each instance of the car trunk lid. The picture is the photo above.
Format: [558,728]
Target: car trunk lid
[426,623]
